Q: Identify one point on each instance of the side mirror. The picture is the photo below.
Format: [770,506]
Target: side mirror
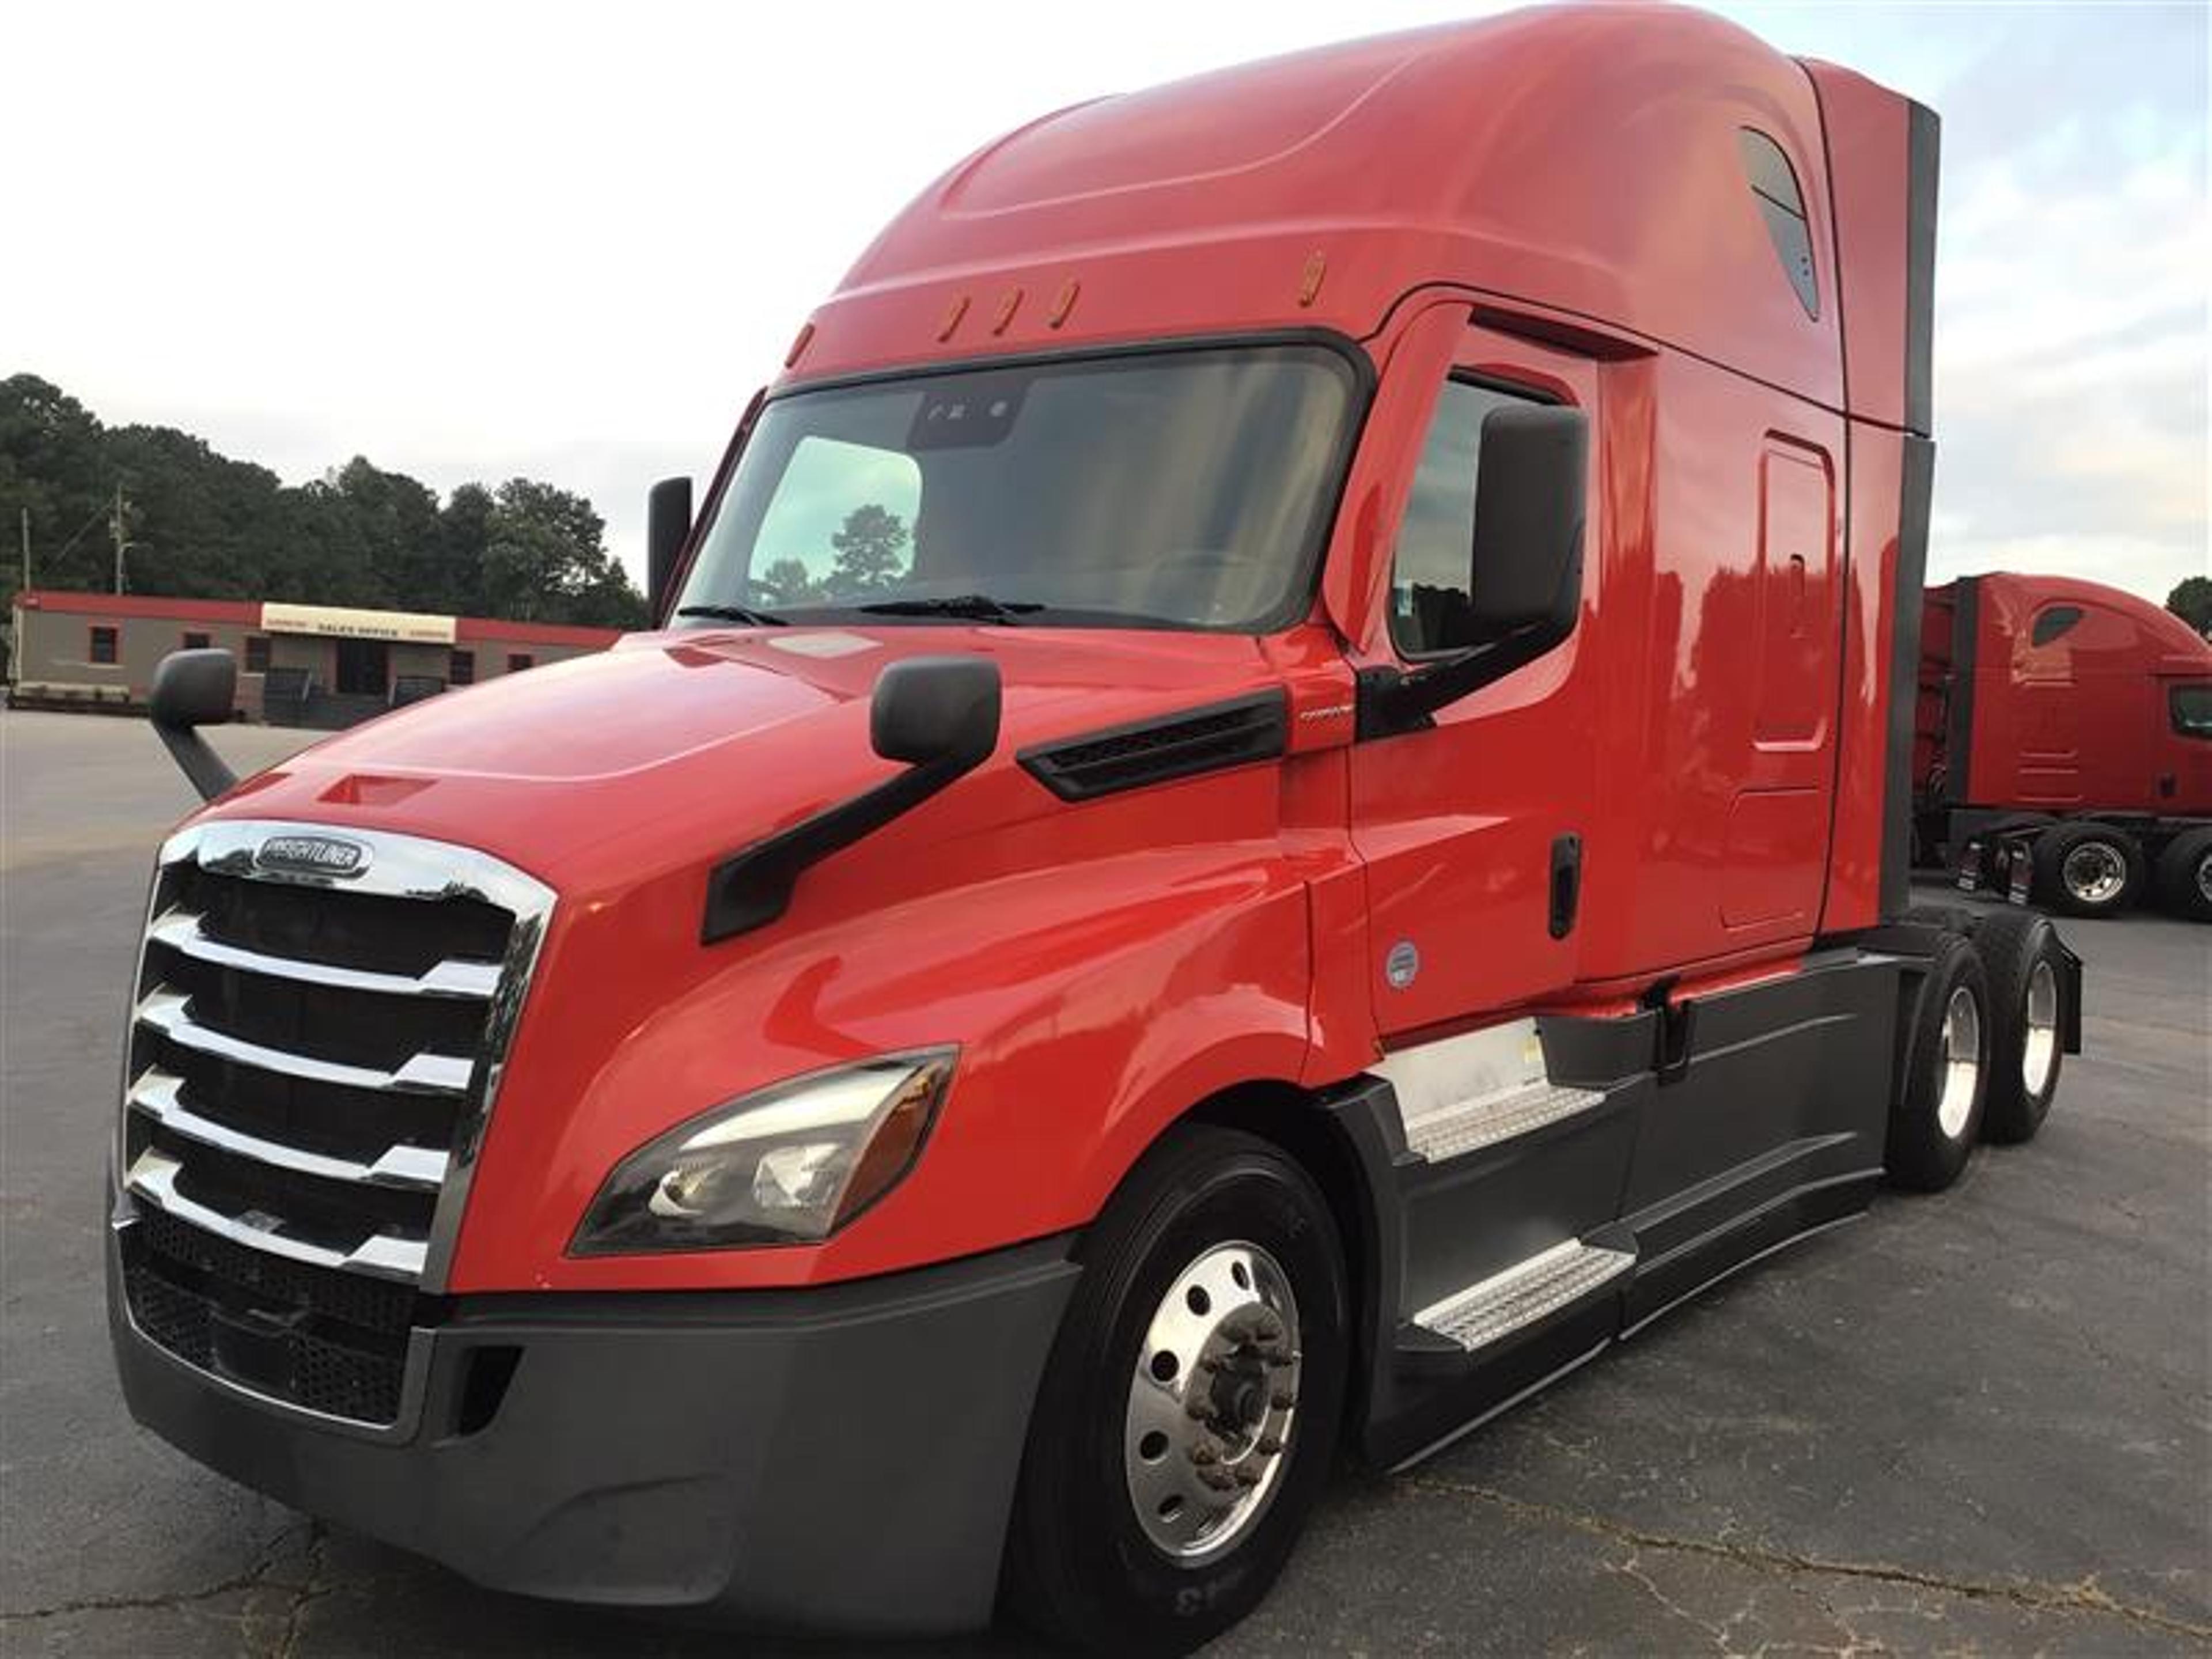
[929,711]
[1525,567]
[1529,512]
[192,689]
[667,527]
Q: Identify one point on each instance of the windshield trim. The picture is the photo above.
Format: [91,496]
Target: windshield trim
[1300,592]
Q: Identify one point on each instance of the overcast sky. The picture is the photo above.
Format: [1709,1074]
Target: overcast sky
[569,240]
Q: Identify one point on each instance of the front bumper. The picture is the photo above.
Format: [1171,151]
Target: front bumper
[839,1459]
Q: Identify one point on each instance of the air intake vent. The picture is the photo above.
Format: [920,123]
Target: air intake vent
[1209,739]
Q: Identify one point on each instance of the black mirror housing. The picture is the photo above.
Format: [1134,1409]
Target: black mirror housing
[192,689]
[667,527]
[1527,554]
[1525,567]
[928,710]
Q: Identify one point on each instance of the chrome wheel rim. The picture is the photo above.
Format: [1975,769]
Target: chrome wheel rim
[2095,872]
[2205,875]
[1213,1401]
[1962,1062]
[2039,1046]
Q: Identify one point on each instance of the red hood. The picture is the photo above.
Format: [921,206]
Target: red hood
[675,747]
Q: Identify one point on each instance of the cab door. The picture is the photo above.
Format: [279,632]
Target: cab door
[1473,831]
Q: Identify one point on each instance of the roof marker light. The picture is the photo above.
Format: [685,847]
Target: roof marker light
[1007,307]
[1063,302]
[953,313]
[1309,280]
[799,345]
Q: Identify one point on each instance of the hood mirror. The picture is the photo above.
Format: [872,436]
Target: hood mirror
[936,711]
[192,689]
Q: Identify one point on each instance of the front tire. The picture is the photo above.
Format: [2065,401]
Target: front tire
[1936,1118]
[2088,869]
[1187,1418]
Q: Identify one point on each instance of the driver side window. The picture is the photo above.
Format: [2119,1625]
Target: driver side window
[1429,595]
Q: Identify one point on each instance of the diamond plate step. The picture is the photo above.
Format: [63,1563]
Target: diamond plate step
[1468,1126]
[1523,1293]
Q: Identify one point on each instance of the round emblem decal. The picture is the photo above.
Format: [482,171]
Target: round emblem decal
[1402,966]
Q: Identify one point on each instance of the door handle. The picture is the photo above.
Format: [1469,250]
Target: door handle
[2166,785]
[1566,882]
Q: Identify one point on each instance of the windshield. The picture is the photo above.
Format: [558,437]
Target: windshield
[1177,488]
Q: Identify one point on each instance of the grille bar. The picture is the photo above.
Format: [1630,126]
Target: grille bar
[160,1096]
[154,1176]
[185,931]
[169,1012]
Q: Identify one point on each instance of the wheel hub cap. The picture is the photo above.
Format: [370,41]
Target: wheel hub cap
[1962,1062]
[2094,872]
[2040,1049]
[1213,1401]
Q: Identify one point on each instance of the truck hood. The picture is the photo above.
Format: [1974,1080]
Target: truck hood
[672,747]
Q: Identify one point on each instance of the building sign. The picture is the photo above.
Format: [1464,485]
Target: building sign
[338,623]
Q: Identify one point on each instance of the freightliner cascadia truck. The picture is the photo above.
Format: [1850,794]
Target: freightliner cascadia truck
[2063,749]
[1271,804]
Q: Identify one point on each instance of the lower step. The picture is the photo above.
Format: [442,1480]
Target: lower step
[1524,1293]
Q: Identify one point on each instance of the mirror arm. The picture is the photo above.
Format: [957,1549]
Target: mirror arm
[198,762]
[752,887]
[1392,700]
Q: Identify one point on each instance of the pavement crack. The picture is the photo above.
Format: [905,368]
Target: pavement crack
[2084,1596]
[251,1578]
[313,1590]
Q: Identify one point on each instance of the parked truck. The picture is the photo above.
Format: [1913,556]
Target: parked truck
[2063,749]
[1271,805]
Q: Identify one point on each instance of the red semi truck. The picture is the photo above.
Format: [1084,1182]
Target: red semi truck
[2062,750]
[1272,804]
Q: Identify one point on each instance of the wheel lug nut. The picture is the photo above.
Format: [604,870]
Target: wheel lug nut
[1204,1455]
[1246,1477]
[1282,1400]
[1269,1444]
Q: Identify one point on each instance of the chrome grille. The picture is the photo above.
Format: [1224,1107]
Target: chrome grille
[314,1054]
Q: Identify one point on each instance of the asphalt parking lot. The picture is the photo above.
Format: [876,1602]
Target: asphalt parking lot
[1980,1423]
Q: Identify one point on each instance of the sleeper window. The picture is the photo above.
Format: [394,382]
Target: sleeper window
[2191,707]
[1429,592]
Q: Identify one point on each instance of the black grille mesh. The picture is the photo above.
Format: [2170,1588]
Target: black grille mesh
[331,1342]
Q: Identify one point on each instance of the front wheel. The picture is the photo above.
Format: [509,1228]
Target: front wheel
[1188,1414]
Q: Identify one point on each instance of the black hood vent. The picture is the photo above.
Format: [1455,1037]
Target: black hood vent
[1166,747]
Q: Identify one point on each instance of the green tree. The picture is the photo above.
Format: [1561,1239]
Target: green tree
[50,463]
[2191,601]
[870,550]
[545,560]
[786,581]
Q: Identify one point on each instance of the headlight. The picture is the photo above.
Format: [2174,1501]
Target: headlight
[789,1164]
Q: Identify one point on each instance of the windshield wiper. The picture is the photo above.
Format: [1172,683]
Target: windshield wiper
[736,613]
[969,607]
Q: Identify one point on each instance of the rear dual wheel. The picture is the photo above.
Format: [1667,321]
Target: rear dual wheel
[2185,875]
[1937,1116]
[1188,1413]
[2026,969]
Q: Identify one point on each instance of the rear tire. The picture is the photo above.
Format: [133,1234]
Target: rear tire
[1217,1259]
[2088,869]
[2021,954]
[1934,1121]
[2185,875]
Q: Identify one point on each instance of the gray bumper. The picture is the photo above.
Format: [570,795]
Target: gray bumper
[841,1459]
